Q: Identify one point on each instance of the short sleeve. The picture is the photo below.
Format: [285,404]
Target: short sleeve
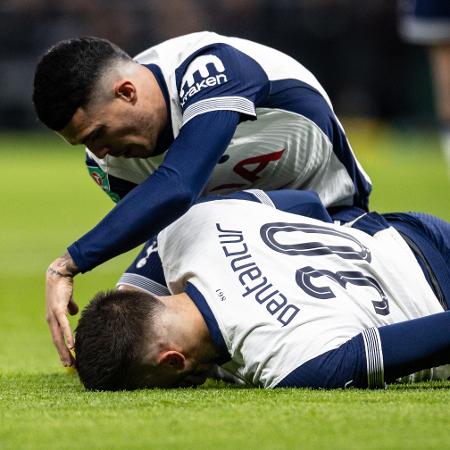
[220,77]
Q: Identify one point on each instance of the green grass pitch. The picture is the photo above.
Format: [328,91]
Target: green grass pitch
[47,201]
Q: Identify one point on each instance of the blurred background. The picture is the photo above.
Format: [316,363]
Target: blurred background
[352,47]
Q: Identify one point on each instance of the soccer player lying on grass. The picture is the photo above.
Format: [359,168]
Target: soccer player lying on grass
[278,300]
[198,114]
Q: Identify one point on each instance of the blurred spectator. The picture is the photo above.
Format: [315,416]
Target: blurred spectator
[427,22]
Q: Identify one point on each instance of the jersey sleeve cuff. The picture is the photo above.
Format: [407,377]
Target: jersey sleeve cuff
[239,104]
[77,258]
[143,283]
[261,196]
[374,358]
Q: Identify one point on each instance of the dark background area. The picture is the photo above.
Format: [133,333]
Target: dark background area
[352,47]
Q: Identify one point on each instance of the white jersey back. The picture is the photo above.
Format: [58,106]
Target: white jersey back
[283,288]
[296,141]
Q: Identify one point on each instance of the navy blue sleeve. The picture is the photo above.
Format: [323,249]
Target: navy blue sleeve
[164,196]
[379,355]
[220,77]
[408,347]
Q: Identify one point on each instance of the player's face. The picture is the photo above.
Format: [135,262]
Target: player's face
[151,377]
[116,127]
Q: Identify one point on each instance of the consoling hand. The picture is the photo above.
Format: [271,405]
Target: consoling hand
[59,301]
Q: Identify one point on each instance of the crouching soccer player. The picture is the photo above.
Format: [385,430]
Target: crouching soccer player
[278,300]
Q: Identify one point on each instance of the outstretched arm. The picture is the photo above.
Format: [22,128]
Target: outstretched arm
[379,355]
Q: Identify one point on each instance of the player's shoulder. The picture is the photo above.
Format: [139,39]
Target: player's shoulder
[177,53]
[180,47]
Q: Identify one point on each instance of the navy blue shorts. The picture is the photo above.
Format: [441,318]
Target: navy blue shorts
[429,238]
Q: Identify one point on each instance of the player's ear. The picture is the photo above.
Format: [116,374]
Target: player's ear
[125,90]
[172,360]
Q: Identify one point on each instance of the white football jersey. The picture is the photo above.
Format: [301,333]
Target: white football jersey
[296,140]
[277,289]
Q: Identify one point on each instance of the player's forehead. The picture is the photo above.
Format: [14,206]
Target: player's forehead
[81,125]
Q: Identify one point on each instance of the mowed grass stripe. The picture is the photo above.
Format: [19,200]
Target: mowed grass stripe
[55,413]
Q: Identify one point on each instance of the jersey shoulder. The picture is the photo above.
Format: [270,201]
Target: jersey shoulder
[171,54]
[174,51]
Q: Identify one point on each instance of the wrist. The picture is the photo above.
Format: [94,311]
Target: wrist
[64,266]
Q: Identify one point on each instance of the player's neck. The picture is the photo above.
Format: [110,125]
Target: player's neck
[188,328]
[154,96]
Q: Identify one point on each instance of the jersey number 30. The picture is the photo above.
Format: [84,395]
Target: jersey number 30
[305,275]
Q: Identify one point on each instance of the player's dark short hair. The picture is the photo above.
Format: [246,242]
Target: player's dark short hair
[66,76]
[109,339]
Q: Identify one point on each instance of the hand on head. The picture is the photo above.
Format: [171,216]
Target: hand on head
[59,302]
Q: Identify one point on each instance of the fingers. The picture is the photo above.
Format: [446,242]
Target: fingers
[58,341]
[66,331]
[59,301]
